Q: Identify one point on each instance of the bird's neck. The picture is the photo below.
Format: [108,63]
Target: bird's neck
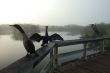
[22,32]
[46,32]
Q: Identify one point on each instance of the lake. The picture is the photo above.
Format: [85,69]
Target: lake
[12,50]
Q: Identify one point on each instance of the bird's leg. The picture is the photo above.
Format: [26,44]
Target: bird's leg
[44,44]
[27,55]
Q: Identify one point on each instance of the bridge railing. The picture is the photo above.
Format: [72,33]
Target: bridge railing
[31,65]
[53,63]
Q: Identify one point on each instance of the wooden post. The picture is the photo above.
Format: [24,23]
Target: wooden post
[51,60]
[97,47]
[56,56]
[85,51]
[102,46]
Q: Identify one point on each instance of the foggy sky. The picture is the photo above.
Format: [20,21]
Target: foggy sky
[54,12]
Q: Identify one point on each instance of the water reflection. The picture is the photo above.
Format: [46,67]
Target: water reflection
[10,50]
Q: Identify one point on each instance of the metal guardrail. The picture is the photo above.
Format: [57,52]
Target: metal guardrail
[26,65]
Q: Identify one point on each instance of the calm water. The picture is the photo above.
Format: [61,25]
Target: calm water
[12,50]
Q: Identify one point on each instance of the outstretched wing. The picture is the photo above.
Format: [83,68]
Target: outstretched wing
[36,37]
[55,37]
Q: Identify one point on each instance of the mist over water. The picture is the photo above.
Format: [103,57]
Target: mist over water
[12,50]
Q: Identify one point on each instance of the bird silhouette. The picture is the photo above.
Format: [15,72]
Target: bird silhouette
[45,39]
[95,29]
[28,44]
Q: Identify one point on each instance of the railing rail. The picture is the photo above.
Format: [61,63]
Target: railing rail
[26,65]
[79,41]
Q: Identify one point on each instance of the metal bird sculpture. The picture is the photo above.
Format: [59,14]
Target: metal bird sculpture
[28,44]
[45,39]
[95,29]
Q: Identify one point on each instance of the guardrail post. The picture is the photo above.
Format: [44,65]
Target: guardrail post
[85,51]
[56,56]
[53,58]
[102,50]
[51,61]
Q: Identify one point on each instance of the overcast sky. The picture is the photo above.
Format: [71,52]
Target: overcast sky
[54,12]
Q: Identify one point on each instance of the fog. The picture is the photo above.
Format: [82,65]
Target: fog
[54,12]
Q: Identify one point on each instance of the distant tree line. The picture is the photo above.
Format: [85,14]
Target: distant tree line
[71,28]
[5,29]
[74,29]
[30,29]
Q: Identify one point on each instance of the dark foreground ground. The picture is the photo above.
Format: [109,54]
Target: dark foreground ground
[94,64]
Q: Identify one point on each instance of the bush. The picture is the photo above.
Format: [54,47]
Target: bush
[103,28]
